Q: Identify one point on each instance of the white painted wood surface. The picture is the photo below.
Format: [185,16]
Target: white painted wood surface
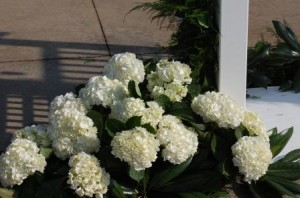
[277,109]
[233,22]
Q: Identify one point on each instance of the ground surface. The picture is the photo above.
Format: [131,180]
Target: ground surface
[48,47]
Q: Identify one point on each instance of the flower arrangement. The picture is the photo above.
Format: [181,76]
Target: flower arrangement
[140,131]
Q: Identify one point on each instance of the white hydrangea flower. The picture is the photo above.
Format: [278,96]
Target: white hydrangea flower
[137,147]
[101,90]
[218,107]
[20,160]
[34,133]
[170,78]
[73,132]
[174,71]
[254,125]
[252,155]
[127,108]
[70,129]
[179,142]
[86,176]
[125,67]
[152,114]
[69,100]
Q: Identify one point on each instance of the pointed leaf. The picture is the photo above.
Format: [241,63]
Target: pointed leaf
[133,122]
[116,189]
[182,111]
[293,156]
[287,35]
[149,128]
[279,141]
[97,119]
[166,175]
[288,170]
[46,152]
[134,90]
[279,187]
[136,175]
[289,185]
[163,101]
[113,126]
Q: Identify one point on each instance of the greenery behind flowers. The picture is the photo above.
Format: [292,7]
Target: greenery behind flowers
[195,42]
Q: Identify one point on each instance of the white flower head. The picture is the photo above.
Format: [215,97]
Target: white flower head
[70,130]
[73,132]
[179,142]
[101,90]
[137,147]
[20,160]
[252,155]
[218,107]
[34,133]
[170,78]
[127,108]
[254,125]
[86,176]
[125,67]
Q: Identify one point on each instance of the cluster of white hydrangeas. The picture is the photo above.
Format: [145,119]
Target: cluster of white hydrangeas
[220,108]
[252,155]
[20,160]
[69,100]
[71,130]
[137,147]
[100,90]
[86,176]
[129,107]
[125,67]
[254,125]
[170,78]
[179,142]
[34,133]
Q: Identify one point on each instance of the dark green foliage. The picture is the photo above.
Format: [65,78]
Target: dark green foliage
[195,41]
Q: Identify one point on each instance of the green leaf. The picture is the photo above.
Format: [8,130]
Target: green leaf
[136,175]
[293,156]
[51,188]
[279,141]
[46,152]
[113,126]
[163,101]
[134,90]
[166,175]
[287,170]
[133,122]
[6,193]
[149,128]
[204,181]
[289,185]
[287,35]
[279,187]
[240,131]
[193,195]
[220,148]
[182,111]
[97,120]
[116,189]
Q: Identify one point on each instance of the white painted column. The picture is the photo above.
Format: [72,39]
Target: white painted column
[233,22]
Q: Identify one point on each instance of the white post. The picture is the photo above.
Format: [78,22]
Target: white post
[233,22]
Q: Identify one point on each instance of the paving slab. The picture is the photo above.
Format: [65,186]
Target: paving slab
[34,29]
[27,91]
[133,32]
[262,13]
